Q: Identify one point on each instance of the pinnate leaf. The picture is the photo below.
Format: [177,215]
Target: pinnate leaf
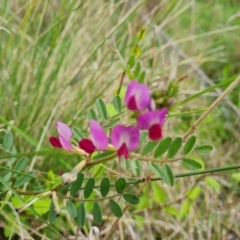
[203,149]
[117,103]
[189,145]
[174,147]
[162,147]
[76,185]
[133,199]
[120,185]
[89,186]
[71,208]
[105,187]
[97,213]
[168,175]
[102,109]
[191,164]
[115,208]
[81,215]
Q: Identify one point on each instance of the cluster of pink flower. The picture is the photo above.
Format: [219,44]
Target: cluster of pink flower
[123,138]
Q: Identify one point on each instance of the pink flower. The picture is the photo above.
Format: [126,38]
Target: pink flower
[125,139]
[137,96]
[153,122]
[98,141]
[65,134]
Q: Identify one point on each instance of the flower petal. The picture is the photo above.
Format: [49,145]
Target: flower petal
[138,96]
[65,143]
[155,132]
[116,136]
[131,90]
[64,130]
[123,134]
[55,142]
[143,97]
[162,115]
[123,151]
[146,120]
[134,137]
[98,136]
[87,145]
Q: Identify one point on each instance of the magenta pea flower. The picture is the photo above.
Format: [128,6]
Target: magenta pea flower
[98,141]
[65,134]
[125,139]
[153,122]
[137,97]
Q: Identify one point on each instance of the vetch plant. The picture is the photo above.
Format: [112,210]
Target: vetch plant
[117,137]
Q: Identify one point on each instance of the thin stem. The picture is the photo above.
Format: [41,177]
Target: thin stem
[103,160]
[187,174]
[121,82]
[148,159]
[213,105]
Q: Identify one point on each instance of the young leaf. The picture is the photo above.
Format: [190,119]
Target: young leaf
[191,164]
[143,137]
[148,148]
[21,164]
[133,199]
[203,149]
[8,141]
[236,176]
[157,169]
[115,208]
[89,186]
[78,134]
[81,215]
[131,61]
[97,213]
[174,147]
[6,175]
[11,160]
[211,182]
[137,70]
[185,207]
[22,180]
[142,77]
[102,155]
[105,187]
[189,145]
[135,166]
[120,185]
[112,123]
[194,192]
[168,175]
[76,185]
[92,114]
[162,147]
[117,103]
[102,109]
[51,214]
[71,208]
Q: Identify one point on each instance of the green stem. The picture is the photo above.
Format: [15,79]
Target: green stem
[187,174]
[93,163]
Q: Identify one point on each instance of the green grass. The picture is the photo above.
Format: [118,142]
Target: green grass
[58,57]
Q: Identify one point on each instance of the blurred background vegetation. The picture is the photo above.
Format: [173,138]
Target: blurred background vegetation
[57,57]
